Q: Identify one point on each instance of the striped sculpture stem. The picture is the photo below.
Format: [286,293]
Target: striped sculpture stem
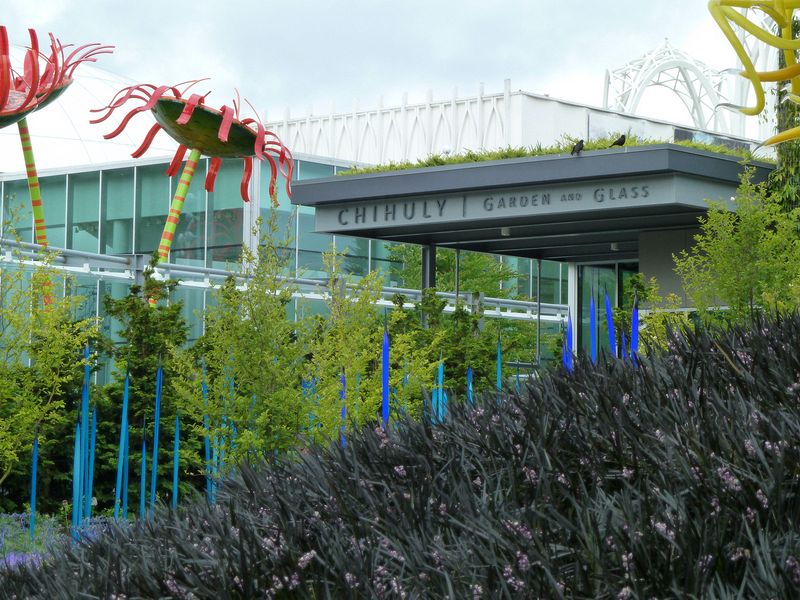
[176,207]
[35,192]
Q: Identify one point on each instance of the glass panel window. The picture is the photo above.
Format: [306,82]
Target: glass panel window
[54,202]
[312,170]
[117,209]
[17,214]
[152,204]
[192,301]
[381,261]
[311,246]
[553,288]
[83,229]
[519,286]
[356,254]
[596,281]
[225,216]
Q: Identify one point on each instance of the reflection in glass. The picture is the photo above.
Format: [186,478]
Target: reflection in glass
[17,213]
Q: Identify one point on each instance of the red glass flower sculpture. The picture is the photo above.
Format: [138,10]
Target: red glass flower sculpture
[42,79]
[200,129]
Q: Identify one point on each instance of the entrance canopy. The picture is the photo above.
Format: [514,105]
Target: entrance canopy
[586,208]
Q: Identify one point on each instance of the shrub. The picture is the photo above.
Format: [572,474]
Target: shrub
[677,477]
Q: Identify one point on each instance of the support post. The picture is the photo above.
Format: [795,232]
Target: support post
[428,273]
[458,268]
[538,312]
[428,266]
[572,300]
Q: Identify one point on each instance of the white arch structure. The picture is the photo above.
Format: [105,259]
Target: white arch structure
[698,86]
[701,88]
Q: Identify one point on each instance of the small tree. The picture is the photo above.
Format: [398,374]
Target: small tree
[41,368]
[249,357]
[744,260]
[348,338]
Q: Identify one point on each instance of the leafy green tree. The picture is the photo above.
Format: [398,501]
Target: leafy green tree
[249,357]
[41,368]
[463,339]
[350,338]
[744,260]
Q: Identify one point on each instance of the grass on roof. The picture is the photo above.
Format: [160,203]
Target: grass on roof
[563,146]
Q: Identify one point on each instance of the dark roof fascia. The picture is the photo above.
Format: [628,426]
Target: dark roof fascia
[637,161]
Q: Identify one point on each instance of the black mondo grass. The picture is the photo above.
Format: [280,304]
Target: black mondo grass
[677,477]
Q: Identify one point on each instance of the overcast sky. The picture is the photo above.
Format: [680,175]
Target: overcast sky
[321,54]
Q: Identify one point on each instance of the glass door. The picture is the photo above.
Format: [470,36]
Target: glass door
[595,282]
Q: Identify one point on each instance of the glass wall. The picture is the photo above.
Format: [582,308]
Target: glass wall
[54,203]
[188,245]
[225,215]
[311,245]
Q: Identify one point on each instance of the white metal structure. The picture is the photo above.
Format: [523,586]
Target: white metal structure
[700,88]
[703,90]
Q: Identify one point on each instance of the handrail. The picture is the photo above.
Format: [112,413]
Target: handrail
[128,267]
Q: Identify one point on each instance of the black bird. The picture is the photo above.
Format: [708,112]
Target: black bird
[576,149]
[620,141]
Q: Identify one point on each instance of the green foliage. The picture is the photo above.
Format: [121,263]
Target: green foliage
[745,260]
[350,338]
[563,146]
[149,332]
[41,368]
[250,358]
[462,339]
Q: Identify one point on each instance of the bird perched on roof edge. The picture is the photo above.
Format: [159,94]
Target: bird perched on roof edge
[620,141]
[576,149]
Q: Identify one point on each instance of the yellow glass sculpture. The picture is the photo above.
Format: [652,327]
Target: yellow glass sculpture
[781,12]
